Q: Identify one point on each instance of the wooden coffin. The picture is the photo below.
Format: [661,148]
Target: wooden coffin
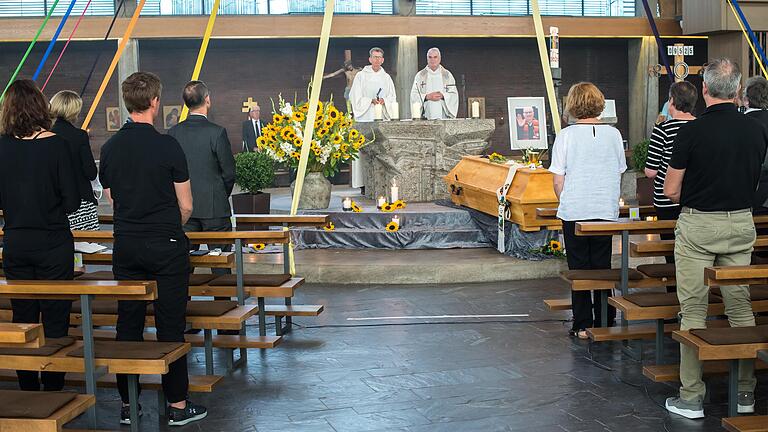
[473,183]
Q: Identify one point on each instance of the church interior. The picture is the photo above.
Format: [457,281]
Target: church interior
[383,215]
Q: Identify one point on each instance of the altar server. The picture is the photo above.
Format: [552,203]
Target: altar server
[434,88]
[372,86]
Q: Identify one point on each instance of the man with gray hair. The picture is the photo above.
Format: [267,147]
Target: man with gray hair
[756,101]
[434,88]
[713,174]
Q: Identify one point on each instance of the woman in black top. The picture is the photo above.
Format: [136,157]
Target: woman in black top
[37,190]
[65,107]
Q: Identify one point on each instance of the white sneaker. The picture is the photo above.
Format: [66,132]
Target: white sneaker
[691,410]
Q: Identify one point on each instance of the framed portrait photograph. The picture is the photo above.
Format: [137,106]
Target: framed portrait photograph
[113,119]
[171,114]
[527,123]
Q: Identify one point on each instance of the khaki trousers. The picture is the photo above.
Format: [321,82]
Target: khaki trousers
[704,239]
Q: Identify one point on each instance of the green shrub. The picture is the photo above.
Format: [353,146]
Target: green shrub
[253,171]
[640,154]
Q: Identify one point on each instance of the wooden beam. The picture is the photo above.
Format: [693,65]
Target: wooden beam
[281,26]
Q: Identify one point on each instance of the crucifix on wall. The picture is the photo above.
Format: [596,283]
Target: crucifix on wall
[349,71]
[680,69]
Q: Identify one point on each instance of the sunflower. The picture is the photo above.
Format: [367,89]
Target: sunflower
[317,151]
[356,208]
[258,246]
[555,245]
[319,106]
[399,204]
[295,155]
[286,133]
[273,146]
[361,140]
[353,134]
[304,108]
[328,123]
[388,208]
[344,147]
[280,154]
[336,155]
[322,132]
[393,227]
[277,118]
[333,113]
[261,142]
[329,227]
[337,139]
[297,142]
[298,116]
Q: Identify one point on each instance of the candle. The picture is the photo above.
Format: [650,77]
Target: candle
[394,110]
[393,192]
[475,109]
[378,112]
[396,219]
[381,202]
[649,218]
[415,110]
[346,204]
[621,202]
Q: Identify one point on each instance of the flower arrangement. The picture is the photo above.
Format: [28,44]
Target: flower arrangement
[329,227]
[390,207]
[334,139]
[553,248]
[258,246]
[497,158]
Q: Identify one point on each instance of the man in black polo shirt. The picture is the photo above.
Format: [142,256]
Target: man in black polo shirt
[145,177]
[713,174]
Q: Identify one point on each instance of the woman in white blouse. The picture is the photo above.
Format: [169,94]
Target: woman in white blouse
[587,160]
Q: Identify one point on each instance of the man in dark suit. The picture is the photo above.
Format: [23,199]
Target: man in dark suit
[252,128]
[211,165]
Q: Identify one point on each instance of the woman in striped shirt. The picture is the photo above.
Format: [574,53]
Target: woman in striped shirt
[682,99]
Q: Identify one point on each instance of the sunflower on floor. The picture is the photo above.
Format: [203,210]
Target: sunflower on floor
[390,207]
[552,248]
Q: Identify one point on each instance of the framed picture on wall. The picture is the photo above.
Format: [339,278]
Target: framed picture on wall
[171,114]
[113,119]
[527,123]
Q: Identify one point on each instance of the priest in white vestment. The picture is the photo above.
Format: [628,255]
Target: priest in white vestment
[435,89]
[372,86]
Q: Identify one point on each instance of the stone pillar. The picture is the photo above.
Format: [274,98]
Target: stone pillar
[732,45]
[643,89]
[404,7]
[640,9]
[129,7]
[407,64]
[128,64]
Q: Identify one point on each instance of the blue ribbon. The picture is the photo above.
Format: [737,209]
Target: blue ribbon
[655,30]
[752,36]
[53,40]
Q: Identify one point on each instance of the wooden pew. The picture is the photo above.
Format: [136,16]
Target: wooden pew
[54,422]
[654,248]
[13,335]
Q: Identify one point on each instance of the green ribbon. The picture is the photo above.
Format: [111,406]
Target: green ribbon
[29,49]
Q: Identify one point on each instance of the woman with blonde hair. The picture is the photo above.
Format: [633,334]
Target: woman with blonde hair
[587,160]
[65,108]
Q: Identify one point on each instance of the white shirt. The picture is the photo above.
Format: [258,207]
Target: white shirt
[256,127]
[364,89]
[438,80]
[591,157]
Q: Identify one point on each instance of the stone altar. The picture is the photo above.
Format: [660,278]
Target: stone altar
[418,153]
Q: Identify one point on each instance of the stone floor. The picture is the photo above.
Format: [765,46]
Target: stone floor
[428,374]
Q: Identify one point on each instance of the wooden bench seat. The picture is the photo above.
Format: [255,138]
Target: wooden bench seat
[631,332]
[746,424]
[589,280]
[671,372]
[197,383]
[654,248]
[293,310]
[286,289]
[198,340]
[558,304]
[53,423]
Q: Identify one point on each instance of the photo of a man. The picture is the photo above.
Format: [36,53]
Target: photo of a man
[527,119]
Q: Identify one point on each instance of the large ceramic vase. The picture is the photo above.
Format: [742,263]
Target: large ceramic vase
[316,192]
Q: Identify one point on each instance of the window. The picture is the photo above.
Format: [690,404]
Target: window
[263,7]
[523,7]
[16,8]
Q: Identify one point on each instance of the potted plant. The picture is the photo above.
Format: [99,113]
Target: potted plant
[644,184]
[334,142]
[253,171]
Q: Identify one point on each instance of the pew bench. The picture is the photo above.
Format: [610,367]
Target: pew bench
[15,335]
[22,411]
[654,248]
[746,423]
[671,372]
[198,341]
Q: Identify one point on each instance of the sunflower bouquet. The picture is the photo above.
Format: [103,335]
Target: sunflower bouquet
[553,248]
[334,139]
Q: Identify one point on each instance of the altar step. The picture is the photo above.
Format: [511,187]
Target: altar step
[422,226]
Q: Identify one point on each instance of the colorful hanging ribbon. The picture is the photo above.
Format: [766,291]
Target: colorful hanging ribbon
[69,39]
[98,56]
[201,53]
[29,49]
[659,45]
[544,56]
[53,40]
[749,36]
[309,129]
[113,65]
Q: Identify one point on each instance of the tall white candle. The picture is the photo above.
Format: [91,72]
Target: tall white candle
[415,110]
[475,109]
[394,110]
[394,192]
[378,112]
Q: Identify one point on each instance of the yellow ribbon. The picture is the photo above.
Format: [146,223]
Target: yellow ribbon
[309,128]
[113,65]
[544,56]
[749,41]
[201,54]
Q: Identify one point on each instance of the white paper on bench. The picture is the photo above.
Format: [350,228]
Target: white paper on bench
[89,248]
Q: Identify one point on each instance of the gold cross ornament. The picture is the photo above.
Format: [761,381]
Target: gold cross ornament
[249,104]
[680,69]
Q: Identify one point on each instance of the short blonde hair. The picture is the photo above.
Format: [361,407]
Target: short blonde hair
[66,104]
[584,101]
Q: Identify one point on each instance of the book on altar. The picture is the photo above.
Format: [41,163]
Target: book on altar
[89,248]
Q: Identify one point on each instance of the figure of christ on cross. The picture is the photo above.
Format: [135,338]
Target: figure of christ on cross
[349,72]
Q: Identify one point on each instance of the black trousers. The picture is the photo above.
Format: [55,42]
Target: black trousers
[212,224]
[40,255]
[668,213]
[587,253]
[165,260]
